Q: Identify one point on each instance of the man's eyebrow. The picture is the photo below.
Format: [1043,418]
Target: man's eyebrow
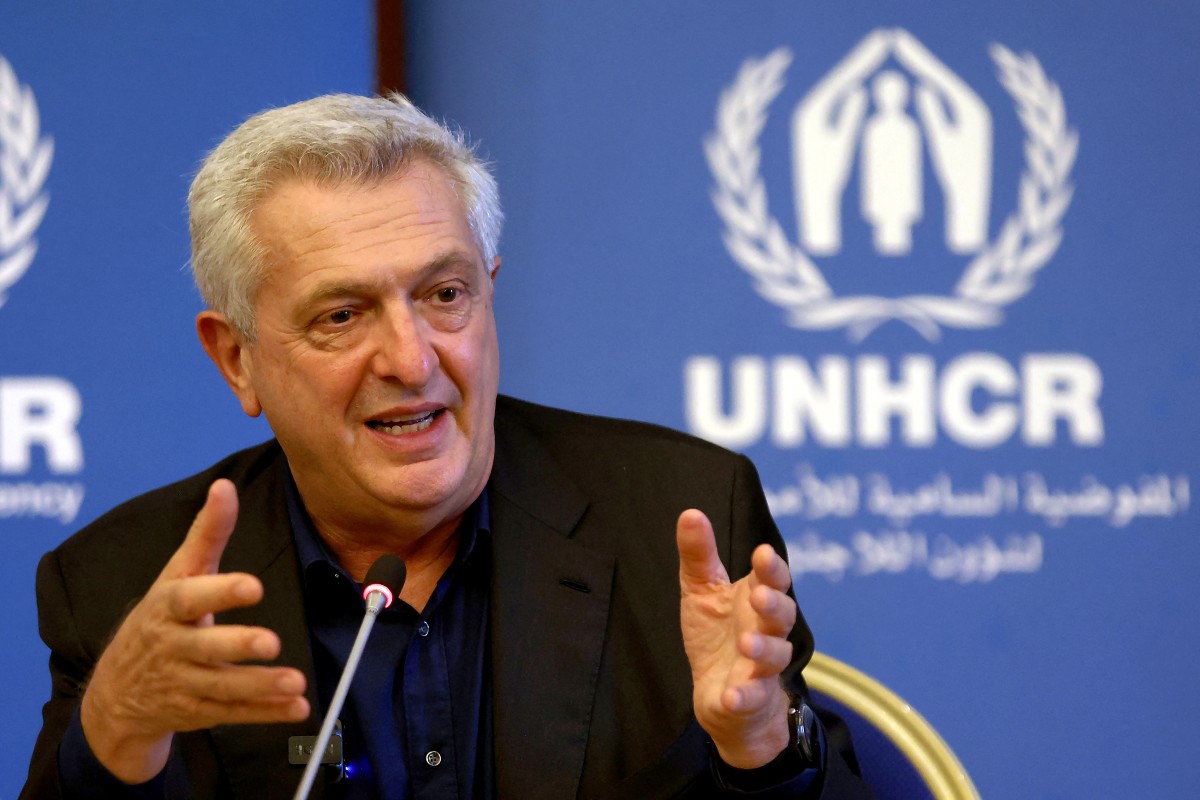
[351,288]
[336,289]
[453,258]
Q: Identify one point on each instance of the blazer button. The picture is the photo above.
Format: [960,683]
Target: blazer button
[433,758]
[423,630]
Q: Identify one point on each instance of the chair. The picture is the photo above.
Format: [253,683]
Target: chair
[901,756]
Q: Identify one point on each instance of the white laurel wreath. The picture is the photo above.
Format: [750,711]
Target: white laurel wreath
[785,275]
[25,158]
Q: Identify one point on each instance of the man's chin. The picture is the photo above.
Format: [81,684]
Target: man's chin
[422,487]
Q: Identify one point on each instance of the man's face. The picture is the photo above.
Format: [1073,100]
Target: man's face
[376,360]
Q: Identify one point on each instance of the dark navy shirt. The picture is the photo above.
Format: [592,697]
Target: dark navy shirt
[417,720]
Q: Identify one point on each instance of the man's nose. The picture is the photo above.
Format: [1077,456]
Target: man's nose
[404,350]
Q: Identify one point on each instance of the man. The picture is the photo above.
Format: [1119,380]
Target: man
[346,249]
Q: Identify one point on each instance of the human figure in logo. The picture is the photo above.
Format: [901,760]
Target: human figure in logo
[890,174]
[826,125]
[959,127]
[825,129]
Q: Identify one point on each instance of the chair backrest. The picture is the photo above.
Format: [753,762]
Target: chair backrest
[901,756]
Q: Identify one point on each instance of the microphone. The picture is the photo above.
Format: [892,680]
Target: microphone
[384,580]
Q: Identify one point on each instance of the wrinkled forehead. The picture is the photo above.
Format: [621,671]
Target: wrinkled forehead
[409,220]
[314,195]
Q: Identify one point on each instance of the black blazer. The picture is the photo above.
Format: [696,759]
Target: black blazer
[591,688]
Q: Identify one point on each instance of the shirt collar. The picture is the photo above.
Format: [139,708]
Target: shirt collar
[311,548]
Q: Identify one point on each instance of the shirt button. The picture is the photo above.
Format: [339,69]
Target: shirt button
[423,630]
[433,758]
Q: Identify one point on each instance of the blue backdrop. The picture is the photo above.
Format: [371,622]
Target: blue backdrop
[940,292]
[128,97]
[987,499]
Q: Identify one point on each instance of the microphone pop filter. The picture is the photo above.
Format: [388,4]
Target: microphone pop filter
[386,576]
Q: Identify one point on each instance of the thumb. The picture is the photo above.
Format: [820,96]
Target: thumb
[699,564]
[200,553]
[931,112]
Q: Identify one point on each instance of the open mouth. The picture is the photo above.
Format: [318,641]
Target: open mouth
[402,425]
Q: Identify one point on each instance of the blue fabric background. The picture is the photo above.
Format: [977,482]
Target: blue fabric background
[1071,680]
[133,95]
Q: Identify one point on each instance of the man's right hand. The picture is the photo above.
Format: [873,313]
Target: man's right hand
[170,669]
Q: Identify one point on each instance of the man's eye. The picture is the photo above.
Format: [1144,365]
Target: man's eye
[448,294]
[341,316]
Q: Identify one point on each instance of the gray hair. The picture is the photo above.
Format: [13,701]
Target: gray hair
[331,140]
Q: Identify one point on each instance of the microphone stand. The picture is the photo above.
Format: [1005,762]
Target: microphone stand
[378,596]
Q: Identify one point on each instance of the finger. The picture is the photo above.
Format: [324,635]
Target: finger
[770,654]
[699,564]
[770,568]
[853,110]
[776,611]
[208,713]
[868,54]
[201,551]
[191,599]
[230,683]
[225,644]
[930,110]
[915,55]
[749,697]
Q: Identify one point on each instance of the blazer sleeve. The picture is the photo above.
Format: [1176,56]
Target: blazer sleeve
[70,666]
[752,524]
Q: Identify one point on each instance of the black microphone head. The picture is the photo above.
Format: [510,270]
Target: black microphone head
[386,575]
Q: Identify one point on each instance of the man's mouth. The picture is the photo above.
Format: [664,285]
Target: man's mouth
[397,426]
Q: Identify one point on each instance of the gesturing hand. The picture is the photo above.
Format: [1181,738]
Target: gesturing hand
[735,636]
[170,669]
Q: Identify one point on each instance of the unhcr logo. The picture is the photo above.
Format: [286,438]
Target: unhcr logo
[898,114]
[860,111]
[25,157]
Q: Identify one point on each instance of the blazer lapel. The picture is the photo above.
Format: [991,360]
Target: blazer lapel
[549,611]
[255,757]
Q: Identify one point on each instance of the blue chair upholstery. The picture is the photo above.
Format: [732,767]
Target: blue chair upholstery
[900,754]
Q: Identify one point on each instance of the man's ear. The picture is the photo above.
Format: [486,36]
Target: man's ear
[229,351]
[495,268]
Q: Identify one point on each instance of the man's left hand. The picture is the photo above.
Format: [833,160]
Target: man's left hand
[735,636]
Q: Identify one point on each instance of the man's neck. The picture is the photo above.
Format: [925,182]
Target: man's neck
[426,557]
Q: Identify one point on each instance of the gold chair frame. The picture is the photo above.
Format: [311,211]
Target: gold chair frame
[929,754]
